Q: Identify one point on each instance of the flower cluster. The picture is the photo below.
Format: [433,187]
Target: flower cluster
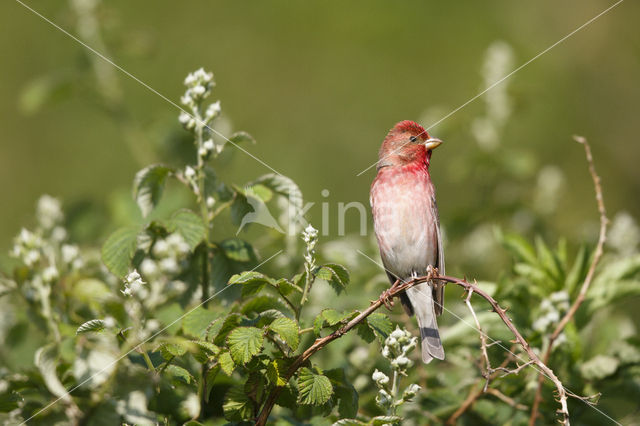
[133,285]
[310,237]
[199,84]
[396,347]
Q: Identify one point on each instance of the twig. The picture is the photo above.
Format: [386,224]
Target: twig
[505,398]
[587,281]
[483,344]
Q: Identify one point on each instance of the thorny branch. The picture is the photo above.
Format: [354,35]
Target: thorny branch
[397,288]
[587,281]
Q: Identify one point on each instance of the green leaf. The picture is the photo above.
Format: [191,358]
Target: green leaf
[203,351]
[189,225]
[46,359]
[344,392]
[519,248]
[348,422]
[336,275]
[385,420]
[250,277]
[237,405]
[578,271]
[275,373]
[9,401]
[238,250]
[119,249]
[92,326]
[228,324]
[380,324]
[287,329]
[226,363]
[284,187]
[259,304]
[285,287]
[196,322]
[329,316]
[179,374]
[148,186]
[315,388]
[244,343]
[599,367]
[242,137]
[171,349]
[210,378]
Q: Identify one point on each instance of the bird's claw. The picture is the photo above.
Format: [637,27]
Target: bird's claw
[387,299]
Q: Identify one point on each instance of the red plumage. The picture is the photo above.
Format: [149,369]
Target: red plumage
[407,227]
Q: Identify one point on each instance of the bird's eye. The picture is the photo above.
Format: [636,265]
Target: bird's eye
[413,138]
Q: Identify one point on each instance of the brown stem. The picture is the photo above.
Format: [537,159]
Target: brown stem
[587,281]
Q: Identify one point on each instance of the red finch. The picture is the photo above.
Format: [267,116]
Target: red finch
[407,226]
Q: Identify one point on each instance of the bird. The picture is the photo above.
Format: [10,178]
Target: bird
[407,225]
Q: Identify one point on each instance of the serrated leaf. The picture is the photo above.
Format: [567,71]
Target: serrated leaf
[119,249]
[287,329]
[329,316]
[196,322]
[259,304]
[170,350]
[228,324]
[244,343]
[348,422]
[237,405]
[314,388]
[189,225]
[179,373]
[285,287]
[275,373]
[148,186]
[250,277]
[226,363]
[92,326]
[336,275]
[380,324]
[365,332]
[385,420]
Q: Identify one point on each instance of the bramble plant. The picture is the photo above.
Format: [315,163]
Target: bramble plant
[172,323]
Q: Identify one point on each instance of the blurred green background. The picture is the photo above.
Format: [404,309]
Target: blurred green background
[318,84]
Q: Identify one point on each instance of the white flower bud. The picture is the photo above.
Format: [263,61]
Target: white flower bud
[189,172]
[208,145]
[211,202]
[213,110]
[397,333]
[380,378]
[401,362]
[410,392]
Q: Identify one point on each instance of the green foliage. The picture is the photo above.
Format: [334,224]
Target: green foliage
[190,322]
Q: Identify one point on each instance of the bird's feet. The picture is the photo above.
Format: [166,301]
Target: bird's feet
[387,299]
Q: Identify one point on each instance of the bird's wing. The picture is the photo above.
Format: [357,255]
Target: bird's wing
[438,294]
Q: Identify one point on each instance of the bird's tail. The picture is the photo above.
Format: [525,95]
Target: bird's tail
[421,297]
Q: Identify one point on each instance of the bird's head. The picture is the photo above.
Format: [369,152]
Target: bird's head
[406,142]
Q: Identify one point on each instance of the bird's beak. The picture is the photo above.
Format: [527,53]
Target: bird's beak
[432,143]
